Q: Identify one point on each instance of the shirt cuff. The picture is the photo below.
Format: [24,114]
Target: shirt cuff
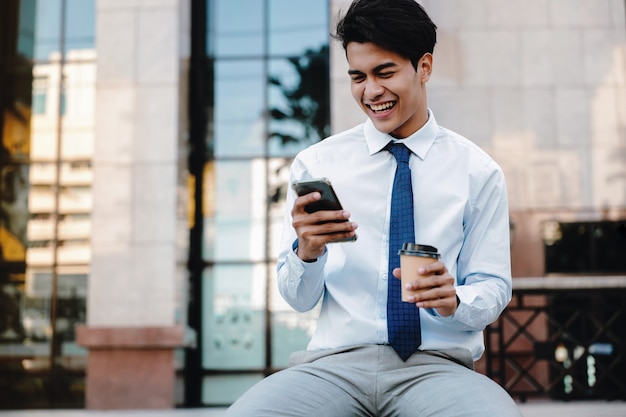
[294,248]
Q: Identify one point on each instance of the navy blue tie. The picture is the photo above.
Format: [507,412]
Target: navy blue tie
[403,321]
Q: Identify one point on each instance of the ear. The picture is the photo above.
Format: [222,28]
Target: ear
[425,67]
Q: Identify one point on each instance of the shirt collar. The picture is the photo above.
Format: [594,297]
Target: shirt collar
[419,142]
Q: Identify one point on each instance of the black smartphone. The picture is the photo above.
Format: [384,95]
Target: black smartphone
[328,201]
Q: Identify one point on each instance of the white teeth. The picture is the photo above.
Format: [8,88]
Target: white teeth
[382,107]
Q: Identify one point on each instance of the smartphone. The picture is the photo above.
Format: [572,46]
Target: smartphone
[328,201]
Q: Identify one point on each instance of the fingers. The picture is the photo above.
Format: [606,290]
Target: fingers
[304,200]
[322,224]
[436,268]
[433,294]
[397,272]
[433,289]
[443,299]
[302,217]
[316,229]
[444,306]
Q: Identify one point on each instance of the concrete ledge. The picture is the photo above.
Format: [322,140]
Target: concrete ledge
[130,367]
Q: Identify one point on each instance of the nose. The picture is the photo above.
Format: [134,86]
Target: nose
[373,89]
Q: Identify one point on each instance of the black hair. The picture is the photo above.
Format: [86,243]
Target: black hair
[400,26]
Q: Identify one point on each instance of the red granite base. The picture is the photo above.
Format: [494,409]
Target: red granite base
[130,367]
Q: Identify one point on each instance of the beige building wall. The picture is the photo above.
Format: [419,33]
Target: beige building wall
[541,86]
[140,229]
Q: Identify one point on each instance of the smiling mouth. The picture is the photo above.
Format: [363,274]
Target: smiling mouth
[379,108]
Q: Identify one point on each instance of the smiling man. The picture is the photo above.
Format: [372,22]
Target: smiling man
[389,89]
[404,179]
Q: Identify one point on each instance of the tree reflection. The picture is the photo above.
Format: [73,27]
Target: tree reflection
[307,102]
[303,117]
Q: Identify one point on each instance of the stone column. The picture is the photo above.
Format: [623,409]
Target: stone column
[135,305]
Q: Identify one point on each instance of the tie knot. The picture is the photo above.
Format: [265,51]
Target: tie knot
[399,151]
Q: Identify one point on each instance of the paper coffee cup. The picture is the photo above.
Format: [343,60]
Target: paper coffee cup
[412,257]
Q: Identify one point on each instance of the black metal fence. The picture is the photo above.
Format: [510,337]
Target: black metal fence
[563,339]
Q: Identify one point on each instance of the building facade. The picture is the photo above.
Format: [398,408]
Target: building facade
[144,162]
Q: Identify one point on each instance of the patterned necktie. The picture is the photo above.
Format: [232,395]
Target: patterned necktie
[403,322]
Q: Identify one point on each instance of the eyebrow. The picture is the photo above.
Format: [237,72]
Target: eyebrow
[378,68]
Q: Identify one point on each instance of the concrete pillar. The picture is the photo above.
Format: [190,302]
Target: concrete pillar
[135,306]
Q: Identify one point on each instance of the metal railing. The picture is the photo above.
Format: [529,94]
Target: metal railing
[562,338]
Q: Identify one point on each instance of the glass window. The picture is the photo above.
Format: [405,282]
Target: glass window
[269,97]
[79,25]
[239,105]
[78,90]
[16,115]
[235,28]
[235,228]
[26,31]
[234,317]
[63,102]
[40,364]
[299,102]
[278,184]
[297,25]
[223,390]
[47,30]
[291,330]
[26,336]
[39,100]
[78,32]
[14,208]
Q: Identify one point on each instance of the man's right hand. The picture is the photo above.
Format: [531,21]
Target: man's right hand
[316,229]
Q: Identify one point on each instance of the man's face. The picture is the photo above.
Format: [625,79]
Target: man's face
[388,88]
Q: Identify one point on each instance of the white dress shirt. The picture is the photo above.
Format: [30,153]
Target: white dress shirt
[461,208]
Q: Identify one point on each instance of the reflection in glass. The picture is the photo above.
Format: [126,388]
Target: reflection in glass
[299,102]
[291,330]
[79,25]
[15,120]
[27,333]
[239,102]
[235,228]
[47,29]
[44,241]
[78,32]
[270,100]
[16,113]
[26,30]
[79,78]
[14,190]
[234,317]
[40,93]
[223,390]
[12,324]
[297,25]
[277,181]
[235,28]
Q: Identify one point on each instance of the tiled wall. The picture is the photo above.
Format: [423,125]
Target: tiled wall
[139,165]
[541,86]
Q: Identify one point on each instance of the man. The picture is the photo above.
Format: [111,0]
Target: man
[354,365]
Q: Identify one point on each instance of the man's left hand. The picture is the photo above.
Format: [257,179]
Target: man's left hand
[436,288]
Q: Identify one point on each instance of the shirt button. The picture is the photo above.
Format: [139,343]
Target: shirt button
[384,277]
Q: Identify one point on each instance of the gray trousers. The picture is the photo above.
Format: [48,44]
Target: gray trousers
[373,381]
